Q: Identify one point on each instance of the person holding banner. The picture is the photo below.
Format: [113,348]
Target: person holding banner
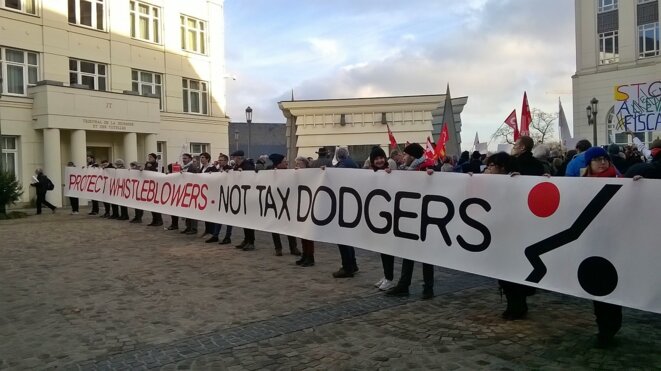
[152,165]
[119,212]
[577,163]
[190,166]
[608,316]
[378,162]
[414,155]
[523,163]
[280,162]
[105,164]
[134,165]
[307,257]
[91,162]
[222,165]
[240,164]
[207,167]
[347,253]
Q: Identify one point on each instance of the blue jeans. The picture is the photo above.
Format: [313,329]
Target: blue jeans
[216,230]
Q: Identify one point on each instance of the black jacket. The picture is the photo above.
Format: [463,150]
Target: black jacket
[151,166]
[526,164]
[649,171]
[245,165]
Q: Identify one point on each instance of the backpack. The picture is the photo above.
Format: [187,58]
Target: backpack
[49,185]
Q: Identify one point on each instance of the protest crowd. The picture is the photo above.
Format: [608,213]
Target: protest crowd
[633,161]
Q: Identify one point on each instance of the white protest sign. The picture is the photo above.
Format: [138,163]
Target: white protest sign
[568,235]
[504,147]
[638,107]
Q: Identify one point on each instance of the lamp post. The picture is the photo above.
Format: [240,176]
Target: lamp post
[236,139]
[591,112]
[248,122]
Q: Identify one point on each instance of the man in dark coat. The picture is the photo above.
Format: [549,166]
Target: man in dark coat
[650,170]
[241,164]
[323,159]
[523,163]
[152,165]
[41,184]
[280,162]
[91,162]
[190,166]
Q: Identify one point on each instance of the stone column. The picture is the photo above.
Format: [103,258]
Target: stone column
[79,147]
[79,152]
[130,148]
[150,144]
[53,165]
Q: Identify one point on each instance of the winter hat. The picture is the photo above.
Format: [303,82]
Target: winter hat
[276,159]
[613,149]
[153,155]
[415,150]
[377,152]
[595,152]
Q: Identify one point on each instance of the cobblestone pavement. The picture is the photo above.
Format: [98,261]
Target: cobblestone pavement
[81,292]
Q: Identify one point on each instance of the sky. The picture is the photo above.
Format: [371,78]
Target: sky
[489,50]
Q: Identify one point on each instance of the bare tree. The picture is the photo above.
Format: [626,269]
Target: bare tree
[541,128]
[542,125]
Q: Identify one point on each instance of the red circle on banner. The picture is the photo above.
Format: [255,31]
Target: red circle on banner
[544,199]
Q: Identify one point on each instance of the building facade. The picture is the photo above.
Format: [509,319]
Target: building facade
[361,123]
[109,78]
[257,138]
[617,43]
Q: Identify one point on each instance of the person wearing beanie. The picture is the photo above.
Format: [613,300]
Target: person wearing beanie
[415,156]
[608,316]
[280,162]
[277,161]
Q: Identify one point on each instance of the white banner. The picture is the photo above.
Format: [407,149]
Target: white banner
[588,237]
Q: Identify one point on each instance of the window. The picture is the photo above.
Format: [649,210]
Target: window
[195,96]
[606,5]
[25,6]
[193,33]
[160,155]
[88,13]
[9,159]
[645,1]
[648,40]
[197,148]
[145,22]
[608,47]
[20,70]
[148,83]
[92,74]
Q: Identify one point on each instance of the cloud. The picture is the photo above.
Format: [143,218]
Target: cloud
[488,50]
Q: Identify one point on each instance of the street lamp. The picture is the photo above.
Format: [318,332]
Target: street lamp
[236,138]
[591,112]
[248,122]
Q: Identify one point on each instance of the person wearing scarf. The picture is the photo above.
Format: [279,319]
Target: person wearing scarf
[608,316]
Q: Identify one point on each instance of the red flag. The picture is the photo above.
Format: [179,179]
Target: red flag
[526,117]
[439,151]
[429,149]
[511,122]
[391,137]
